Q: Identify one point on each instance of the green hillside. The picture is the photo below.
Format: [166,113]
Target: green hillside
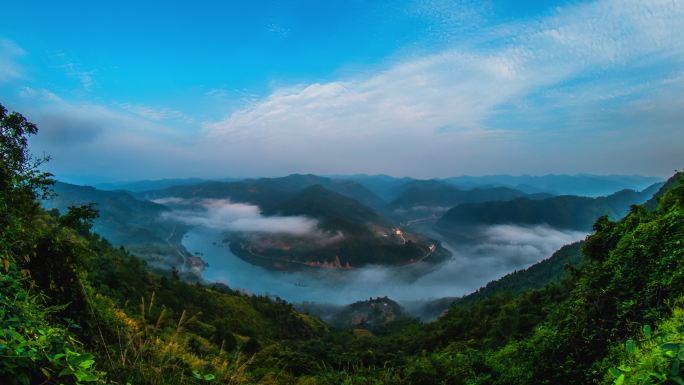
[551,270]
[126,221]
[123,219]
[353,236]
[333,210]
[267,192]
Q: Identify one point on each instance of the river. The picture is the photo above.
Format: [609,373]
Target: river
[510,248]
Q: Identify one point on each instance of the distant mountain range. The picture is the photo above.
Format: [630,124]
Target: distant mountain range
[564,212]
[144,185]
[580,184]
[387,188]
[426,194]
[367,219]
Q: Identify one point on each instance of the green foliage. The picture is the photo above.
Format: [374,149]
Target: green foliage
[654,358]
[80,218]
[34,349]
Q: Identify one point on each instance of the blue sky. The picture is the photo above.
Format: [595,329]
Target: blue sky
[123,90]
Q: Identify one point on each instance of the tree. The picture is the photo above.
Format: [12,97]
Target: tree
[18,168]
[21,180]
[80,218]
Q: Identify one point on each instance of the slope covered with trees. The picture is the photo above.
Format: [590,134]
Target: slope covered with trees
[565,212]
[123,220]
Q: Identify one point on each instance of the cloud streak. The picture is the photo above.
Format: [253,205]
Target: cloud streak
[224,215]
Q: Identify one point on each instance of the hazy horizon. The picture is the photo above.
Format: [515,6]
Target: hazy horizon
[94,180]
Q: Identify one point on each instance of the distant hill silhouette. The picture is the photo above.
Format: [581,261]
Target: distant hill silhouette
[565,212]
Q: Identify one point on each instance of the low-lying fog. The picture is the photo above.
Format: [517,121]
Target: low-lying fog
[503,248]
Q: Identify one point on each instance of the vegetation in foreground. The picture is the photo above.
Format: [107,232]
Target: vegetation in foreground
[75,310]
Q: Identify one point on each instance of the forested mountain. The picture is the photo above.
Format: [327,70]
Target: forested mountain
[145,185]
[126,221]
[335,211]
[266,192]
[75,310]
[385,186]
[389,187]
[565,212]
[123,219]
[581,184]
[354,236]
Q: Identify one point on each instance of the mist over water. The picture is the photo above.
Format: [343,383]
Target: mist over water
[222,214]
[504,248]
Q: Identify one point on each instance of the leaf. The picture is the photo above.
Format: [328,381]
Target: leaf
[647,331]
[614,372]
[65,372]
[209,377]
[674,369]
[670,347]
[46,372]
[86,363]
[629,345]
[678,380]
[620,380]
[658,376]
[84,376]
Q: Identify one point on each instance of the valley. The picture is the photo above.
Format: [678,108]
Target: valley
[295,238]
